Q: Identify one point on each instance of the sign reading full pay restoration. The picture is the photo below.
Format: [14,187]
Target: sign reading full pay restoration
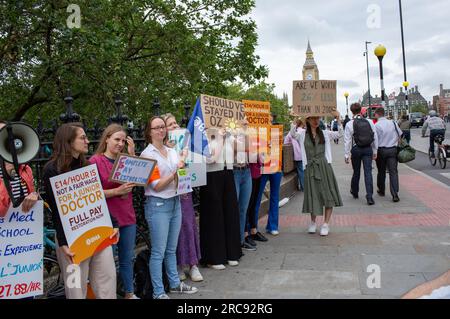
[132,169]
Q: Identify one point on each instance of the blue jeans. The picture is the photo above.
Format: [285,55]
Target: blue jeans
[125,246]
[407,136]
[300,174]
[164,222]
[275,182]
[243,183]
[364,155]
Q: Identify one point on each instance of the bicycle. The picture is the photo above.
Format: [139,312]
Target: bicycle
[443,152]
[53,278]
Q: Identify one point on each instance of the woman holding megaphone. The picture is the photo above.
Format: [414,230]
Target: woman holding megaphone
[20,182]
[69,148]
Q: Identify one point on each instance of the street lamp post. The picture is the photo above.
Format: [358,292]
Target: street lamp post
[346,94]
[405,85]
[368,78]
[380,52]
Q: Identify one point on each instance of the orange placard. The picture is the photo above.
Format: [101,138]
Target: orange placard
[83,211]
[257,112]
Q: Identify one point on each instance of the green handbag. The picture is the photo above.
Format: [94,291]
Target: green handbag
[405,152]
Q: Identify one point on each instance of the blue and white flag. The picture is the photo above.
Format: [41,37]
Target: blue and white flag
[196,127]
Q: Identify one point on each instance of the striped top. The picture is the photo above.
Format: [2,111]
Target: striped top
[16,183]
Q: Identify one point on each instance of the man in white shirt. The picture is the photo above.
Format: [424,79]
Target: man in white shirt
[388,135]
[361,145]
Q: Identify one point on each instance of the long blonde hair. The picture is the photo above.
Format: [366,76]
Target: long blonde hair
[107,133]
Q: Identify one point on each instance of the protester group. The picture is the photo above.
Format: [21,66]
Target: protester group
[230,202]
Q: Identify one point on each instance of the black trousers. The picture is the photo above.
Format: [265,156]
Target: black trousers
[250,220]
[364,155]
[220,238]
[387,158]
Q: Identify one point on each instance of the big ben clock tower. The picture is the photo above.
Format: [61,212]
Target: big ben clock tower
[310,69]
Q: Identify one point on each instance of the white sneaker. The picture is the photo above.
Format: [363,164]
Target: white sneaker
[181,274]
[324,230]
[195,274]
[312,228]
[133,296]
[217,267]
[274,232]
[233,263]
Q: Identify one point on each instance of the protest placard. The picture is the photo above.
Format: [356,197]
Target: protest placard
[184,185]
[21,253]
[83,211]
[314,98]
[132,169]
[195,163]
[257,112]
[221,113]
[273,161]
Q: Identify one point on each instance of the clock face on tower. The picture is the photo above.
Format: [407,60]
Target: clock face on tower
[309,76]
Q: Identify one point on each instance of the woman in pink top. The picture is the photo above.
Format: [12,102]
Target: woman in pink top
[119,199]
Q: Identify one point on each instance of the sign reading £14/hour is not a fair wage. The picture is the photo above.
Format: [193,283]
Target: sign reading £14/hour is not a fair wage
[83,210]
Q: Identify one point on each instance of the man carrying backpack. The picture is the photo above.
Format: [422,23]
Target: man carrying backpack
[361,144]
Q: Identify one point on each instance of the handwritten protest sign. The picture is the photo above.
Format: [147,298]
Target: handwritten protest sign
[21,252]
[184,182]
[132,169]
[84,214]
[195,163]
[314,98]
[257,112]
[219,112]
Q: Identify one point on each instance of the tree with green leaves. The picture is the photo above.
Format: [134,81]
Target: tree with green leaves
[141,49]
[262,92]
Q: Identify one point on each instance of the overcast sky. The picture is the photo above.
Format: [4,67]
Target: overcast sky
[338,31]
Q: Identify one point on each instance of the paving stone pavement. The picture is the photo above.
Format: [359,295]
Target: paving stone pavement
[409,241]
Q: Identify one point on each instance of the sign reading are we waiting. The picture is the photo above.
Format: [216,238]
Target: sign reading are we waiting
[132,169]
[21,252]
[314,98]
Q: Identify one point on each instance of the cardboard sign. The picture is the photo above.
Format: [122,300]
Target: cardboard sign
[195,163]
[83,211]
[21,252]
[218,112]
[184,182]
[132,169]
[314,98]
[257,112]
[274,159]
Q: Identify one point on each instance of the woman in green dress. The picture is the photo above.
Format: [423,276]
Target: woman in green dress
[321,187]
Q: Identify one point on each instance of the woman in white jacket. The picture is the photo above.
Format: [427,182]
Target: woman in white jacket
[321,187]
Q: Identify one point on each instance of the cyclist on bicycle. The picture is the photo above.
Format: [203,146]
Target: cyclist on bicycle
[436,126]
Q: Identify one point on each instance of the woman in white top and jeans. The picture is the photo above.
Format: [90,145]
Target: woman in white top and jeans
[162,211]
